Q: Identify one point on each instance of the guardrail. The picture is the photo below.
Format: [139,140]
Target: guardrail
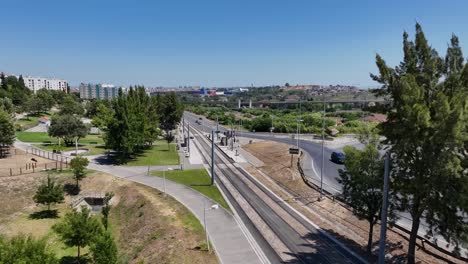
[338,199]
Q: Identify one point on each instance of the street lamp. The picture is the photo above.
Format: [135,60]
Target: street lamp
[164,180]
[299,120]
[213,207]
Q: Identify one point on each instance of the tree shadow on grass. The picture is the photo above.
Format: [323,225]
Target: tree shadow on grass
[74,260]
[71,189]
[44,214]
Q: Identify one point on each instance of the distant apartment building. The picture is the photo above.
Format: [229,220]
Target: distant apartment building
[98,91]
[37,83]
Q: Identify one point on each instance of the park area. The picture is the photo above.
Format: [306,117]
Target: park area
[91,144]
[148,227]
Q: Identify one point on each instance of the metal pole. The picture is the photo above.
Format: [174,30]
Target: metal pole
[383,221]
[212,157]
[204,222]
[76,146]
[183,127]
[323,147]
[164,182]
[188,138]
[300,120]
[217,127]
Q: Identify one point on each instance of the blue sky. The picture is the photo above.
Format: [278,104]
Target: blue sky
[217,43]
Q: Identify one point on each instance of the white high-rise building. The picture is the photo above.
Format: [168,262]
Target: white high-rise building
[37,83]
[98,91]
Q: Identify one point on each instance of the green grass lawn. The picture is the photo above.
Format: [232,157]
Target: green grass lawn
[36,137]
[92,149]
[199,180]
[159,154]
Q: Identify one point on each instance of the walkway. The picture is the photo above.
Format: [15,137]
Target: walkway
[228,239]
[227,234]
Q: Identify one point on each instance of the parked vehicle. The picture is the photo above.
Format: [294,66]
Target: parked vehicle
[338,157]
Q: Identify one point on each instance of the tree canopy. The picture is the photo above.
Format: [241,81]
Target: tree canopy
[7,131]
[362,181]
[67,127]
[78,165]
[25,249]
[78,229]
[134,121]
[49,193]
[427,133]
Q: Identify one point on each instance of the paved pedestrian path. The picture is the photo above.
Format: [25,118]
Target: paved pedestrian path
[228,239]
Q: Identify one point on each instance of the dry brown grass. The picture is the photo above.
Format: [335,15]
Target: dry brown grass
[147,227]
[328,214]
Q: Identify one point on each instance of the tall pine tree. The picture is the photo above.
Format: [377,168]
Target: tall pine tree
[427,132]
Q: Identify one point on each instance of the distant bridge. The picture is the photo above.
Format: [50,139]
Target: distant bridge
[250,104]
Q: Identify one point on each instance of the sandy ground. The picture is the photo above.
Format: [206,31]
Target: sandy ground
[19,159]
[330,215]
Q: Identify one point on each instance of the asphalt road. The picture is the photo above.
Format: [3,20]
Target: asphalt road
[323,249]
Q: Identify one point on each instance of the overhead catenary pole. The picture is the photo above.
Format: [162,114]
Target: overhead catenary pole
[212,157]
[323,147]
[188,138]
[217,126]
[383,221]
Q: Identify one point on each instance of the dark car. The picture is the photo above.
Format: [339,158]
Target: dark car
[338,157]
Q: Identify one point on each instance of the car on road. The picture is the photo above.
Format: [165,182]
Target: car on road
[338,157]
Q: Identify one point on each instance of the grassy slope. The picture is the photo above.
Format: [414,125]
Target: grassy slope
[147,226]
[198,180]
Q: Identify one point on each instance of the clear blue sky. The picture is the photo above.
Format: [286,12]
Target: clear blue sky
[217,43]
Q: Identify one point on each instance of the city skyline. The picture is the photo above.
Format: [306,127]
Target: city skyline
[216,44]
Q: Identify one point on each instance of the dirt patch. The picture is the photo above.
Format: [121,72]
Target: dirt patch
[147,226]
[332,216]
[19,162]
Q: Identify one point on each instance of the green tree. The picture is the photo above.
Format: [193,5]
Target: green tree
[67,127]
[78,165]
[78,229]
[106,209]
[49,193]
[133,125]
[362,181]
[47,101]
[34,105]
[427,132]
[104,249]
[7,105]
[70,106]
[7,131]
[25,249]
[171,112]
[19,92]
